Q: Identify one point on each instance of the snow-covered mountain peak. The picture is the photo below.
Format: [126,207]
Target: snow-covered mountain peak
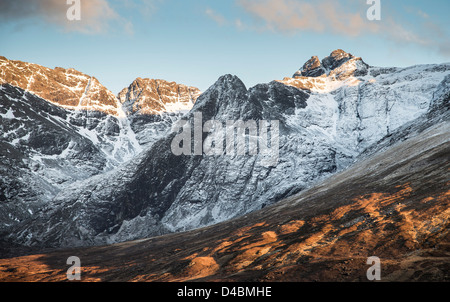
[229,82]
[67,88]
[224,99]
[338,64]
[333,72]
[153,96]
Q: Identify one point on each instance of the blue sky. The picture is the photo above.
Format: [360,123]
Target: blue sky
[195,42]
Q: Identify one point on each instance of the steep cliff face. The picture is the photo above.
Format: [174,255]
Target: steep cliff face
[42,151]
[325,122]
[152,106]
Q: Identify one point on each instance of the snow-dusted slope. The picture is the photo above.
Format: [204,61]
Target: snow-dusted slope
[42,151]
[326,119]
[60,126]
[153,105]
[92,108]
[373,101]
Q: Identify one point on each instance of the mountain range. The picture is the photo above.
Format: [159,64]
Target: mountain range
[82,167]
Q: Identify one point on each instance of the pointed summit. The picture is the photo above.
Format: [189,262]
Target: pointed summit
[336,59]
[227,87]
[224,99]
[230,82]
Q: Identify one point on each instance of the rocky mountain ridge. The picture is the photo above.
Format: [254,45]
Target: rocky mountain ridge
[59,126]
[398,212]
[327,120]
[149,96]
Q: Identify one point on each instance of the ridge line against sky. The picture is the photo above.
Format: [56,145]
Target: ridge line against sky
[195,42]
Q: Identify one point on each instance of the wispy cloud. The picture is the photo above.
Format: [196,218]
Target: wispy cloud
[423,14]
[145,7]
[344,17]
[97,16]
[289,16]
[223,21]
[219,19]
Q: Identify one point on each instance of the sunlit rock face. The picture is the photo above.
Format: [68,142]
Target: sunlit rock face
[149,96]
[66,88]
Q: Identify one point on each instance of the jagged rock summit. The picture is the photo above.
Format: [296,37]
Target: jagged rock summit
[316,68]
[150,96]
[336,59]
[312,68]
